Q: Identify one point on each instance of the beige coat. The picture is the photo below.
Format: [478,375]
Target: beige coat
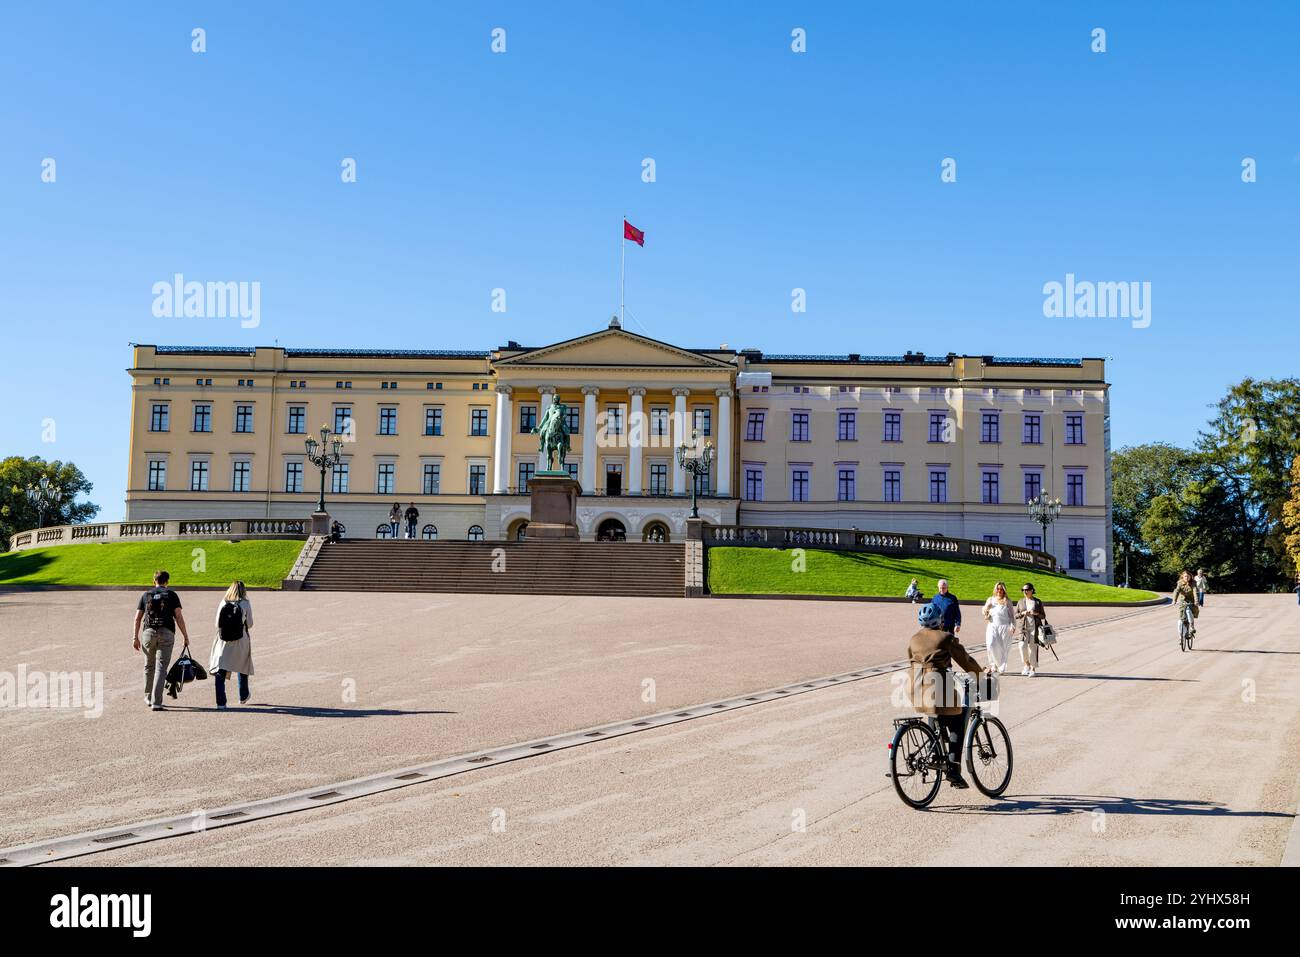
[932,652]
[233,656]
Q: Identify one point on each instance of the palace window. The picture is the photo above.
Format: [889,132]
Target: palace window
[799,485]
[893,485]
[293,476]
[938,426]
[243,418]
[385,478]
[1074,428]
[893,427]
[659,425]
[614,420]
[848,485]
[572,418]
[476,533]
[1076,551]
[477,479]
[432,478]
[433,421]
[1074,488]
[343,420]
[1035,542]
[203,417]
[297,419]
[1033,485]
[658,478]
[993,539]
[938,486]
[158,417]
[703,423]
[990,428]
[799,431]
[241,476]
[478,421]
[754,427]
[1033,429]
[526,472]
[157,475]
[339,479]
[753,485]
[388,420]
[198,476]
[527,418]
[989,488]
[848,427]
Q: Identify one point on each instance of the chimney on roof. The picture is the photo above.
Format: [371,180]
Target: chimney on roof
[914,356]
[614,323]
[854,356]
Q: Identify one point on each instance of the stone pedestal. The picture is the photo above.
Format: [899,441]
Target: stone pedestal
[320,523]
[554,507]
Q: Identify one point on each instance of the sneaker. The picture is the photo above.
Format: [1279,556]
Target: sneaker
[221,707]
[1024,672]
[956,781]
[156,707]
[245,700]
[1031,673]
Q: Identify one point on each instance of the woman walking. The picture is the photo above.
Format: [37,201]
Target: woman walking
[232,651]
[1030,619]
[1000,615]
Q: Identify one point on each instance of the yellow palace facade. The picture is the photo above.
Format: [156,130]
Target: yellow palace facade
[951,445]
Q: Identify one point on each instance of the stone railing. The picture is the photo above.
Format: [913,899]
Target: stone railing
[857,540]
[232,529]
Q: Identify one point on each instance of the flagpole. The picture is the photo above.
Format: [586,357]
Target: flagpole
[622,272]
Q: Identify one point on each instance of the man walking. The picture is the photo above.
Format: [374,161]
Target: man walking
[412,516]
[947,604]
[159,610]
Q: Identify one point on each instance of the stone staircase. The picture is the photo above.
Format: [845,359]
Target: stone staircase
[506,568]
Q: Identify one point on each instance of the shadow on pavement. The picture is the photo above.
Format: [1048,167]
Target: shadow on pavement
[1241,651]
[1059,674]
[1084,804]
[299,711]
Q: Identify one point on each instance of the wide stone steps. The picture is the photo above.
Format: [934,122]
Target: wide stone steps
[524,568]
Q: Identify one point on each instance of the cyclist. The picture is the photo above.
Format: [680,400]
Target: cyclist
[932,651]
[1184,597]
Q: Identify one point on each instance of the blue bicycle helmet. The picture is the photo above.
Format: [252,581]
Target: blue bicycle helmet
[929,616]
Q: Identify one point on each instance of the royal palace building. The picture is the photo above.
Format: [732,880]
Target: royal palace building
[952,445]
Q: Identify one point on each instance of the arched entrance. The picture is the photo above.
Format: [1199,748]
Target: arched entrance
[655,532]
[517,530]
[611,530]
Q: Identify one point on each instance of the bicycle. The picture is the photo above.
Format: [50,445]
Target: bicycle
[917,759]
[1186,627]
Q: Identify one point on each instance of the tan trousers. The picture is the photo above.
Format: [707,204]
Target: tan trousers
[1029,654]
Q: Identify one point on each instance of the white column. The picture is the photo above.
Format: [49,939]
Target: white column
[501,442]
[589,393]
[683,430]
[635,440]
[548,396]
[722,459]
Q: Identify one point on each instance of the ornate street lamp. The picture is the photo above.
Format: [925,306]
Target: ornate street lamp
[696,463]
[44,495]
[1044,510]
[323,460]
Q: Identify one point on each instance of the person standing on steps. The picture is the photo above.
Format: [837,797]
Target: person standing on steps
[159,610]
[412,517]
[395,518]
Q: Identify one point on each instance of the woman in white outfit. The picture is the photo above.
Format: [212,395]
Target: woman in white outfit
[1000,615]
[233,655]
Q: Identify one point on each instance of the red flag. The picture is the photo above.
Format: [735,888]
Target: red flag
[631,232]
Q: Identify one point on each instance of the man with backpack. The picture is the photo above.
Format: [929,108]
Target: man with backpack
[412,517]
[159,610]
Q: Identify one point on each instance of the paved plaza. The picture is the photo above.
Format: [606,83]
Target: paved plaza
[1127,751]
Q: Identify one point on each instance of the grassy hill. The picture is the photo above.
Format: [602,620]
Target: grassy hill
[258,563]
[768,571]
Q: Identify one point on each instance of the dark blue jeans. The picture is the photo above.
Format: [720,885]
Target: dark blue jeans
[220,678]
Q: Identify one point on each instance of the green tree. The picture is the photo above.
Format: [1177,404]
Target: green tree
[1291,522]
[1140,475]
[17,512]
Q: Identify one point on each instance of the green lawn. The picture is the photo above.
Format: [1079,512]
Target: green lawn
[769,571]
[258,563]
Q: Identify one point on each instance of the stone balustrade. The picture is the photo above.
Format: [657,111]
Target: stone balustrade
[231,529]
[857,540]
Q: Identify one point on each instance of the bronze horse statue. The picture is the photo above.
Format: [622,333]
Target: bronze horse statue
[554,434]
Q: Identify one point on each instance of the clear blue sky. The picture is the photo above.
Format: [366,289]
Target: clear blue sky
[775,170]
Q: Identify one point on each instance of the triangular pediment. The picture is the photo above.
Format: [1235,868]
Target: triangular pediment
[613,348]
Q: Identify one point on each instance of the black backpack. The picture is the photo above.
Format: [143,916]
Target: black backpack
[156,609]
[230,621]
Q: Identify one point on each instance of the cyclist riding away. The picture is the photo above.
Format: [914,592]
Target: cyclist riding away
[932,652]
[1184,598]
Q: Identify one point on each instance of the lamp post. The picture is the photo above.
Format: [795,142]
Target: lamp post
[697,465]
[1044,510]
[44,495]
[323,460]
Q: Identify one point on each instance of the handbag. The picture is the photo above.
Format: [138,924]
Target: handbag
[1047,634]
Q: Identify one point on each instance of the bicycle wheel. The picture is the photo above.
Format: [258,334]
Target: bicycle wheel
[988,755]
[1183,636]
[913,765]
